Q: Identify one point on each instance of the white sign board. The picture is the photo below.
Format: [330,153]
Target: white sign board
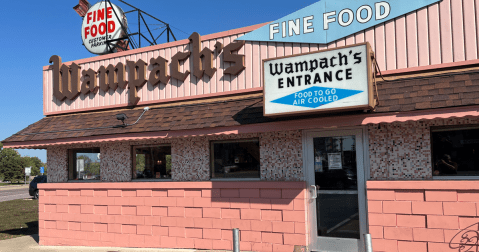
[332,80]
[95,28]
[334,161]
[28,171]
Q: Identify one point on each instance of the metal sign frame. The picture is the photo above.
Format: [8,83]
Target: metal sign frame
[370,89]
[129,37]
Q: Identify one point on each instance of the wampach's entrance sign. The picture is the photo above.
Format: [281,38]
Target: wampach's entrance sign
[338,79]
[70,81]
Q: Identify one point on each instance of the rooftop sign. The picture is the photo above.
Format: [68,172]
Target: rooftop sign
[330,80]
[95,29]
[329,20]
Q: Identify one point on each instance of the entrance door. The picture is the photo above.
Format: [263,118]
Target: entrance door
[335,175]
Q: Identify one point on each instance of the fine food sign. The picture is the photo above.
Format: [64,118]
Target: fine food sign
[332,80]
[329,20]
[102,19]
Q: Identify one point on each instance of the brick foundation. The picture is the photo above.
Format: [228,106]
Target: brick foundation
[200,215]
[422,216]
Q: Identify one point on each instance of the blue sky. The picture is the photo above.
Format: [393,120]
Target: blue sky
[32,31]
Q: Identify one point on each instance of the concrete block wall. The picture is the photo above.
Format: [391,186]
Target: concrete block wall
[199,215]
[423,216]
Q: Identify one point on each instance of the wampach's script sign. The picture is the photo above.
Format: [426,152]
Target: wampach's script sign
[70,81]
[338,79]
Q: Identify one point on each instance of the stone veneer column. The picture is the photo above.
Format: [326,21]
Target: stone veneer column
[281,155]
[116,162]
[57,164]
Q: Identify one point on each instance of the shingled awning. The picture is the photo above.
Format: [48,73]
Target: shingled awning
[227,115]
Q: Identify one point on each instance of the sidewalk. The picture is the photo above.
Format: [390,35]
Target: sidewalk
[30,244]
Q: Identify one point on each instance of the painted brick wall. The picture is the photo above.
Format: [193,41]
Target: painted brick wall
[270,215]
[423,216]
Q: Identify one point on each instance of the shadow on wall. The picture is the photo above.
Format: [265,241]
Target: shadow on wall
[261,192]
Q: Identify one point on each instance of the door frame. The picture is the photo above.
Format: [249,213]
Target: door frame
[308,171]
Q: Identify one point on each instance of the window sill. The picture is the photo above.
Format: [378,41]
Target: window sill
[85,181]
[235,179]
[455,177]
[151,180]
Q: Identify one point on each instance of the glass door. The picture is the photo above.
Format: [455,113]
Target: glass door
[334,162]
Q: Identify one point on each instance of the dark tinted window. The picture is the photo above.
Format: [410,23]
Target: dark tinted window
[235,159]
[152,162]
[455,152]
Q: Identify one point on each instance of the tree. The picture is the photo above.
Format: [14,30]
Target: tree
[140,162]
[90,167]
[11,165]
[168,163]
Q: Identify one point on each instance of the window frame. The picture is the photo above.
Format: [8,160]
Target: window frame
[445,128]
[71,165]
[240,140]
[133,162]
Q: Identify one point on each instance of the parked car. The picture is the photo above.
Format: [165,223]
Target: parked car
[32,190]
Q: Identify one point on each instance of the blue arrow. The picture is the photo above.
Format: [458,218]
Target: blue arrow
[308,24]
[314,97]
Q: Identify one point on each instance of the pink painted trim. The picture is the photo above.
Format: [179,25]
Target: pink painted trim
[44,95]
[124,137]
[316,123]
[430,67]
[196,97]
[423,185]
[177,185]
[166,45]
[454,112]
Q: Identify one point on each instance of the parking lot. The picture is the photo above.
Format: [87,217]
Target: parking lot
[14,192]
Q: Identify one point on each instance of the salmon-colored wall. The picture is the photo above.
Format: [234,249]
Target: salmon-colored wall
[443,33]
[200,215]
[423,216]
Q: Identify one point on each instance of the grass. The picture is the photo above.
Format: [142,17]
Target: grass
[7,184]
[18,218]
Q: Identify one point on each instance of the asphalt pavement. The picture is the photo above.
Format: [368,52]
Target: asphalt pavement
[14,192]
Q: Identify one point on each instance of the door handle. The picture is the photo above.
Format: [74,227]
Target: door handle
[314,192]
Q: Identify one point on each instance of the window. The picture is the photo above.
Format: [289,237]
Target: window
[152,162]
[455,151]
[235,159]
[84,164]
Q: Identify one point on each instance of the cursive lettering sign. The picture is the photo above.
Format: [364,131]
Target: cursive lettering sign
[66,79]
